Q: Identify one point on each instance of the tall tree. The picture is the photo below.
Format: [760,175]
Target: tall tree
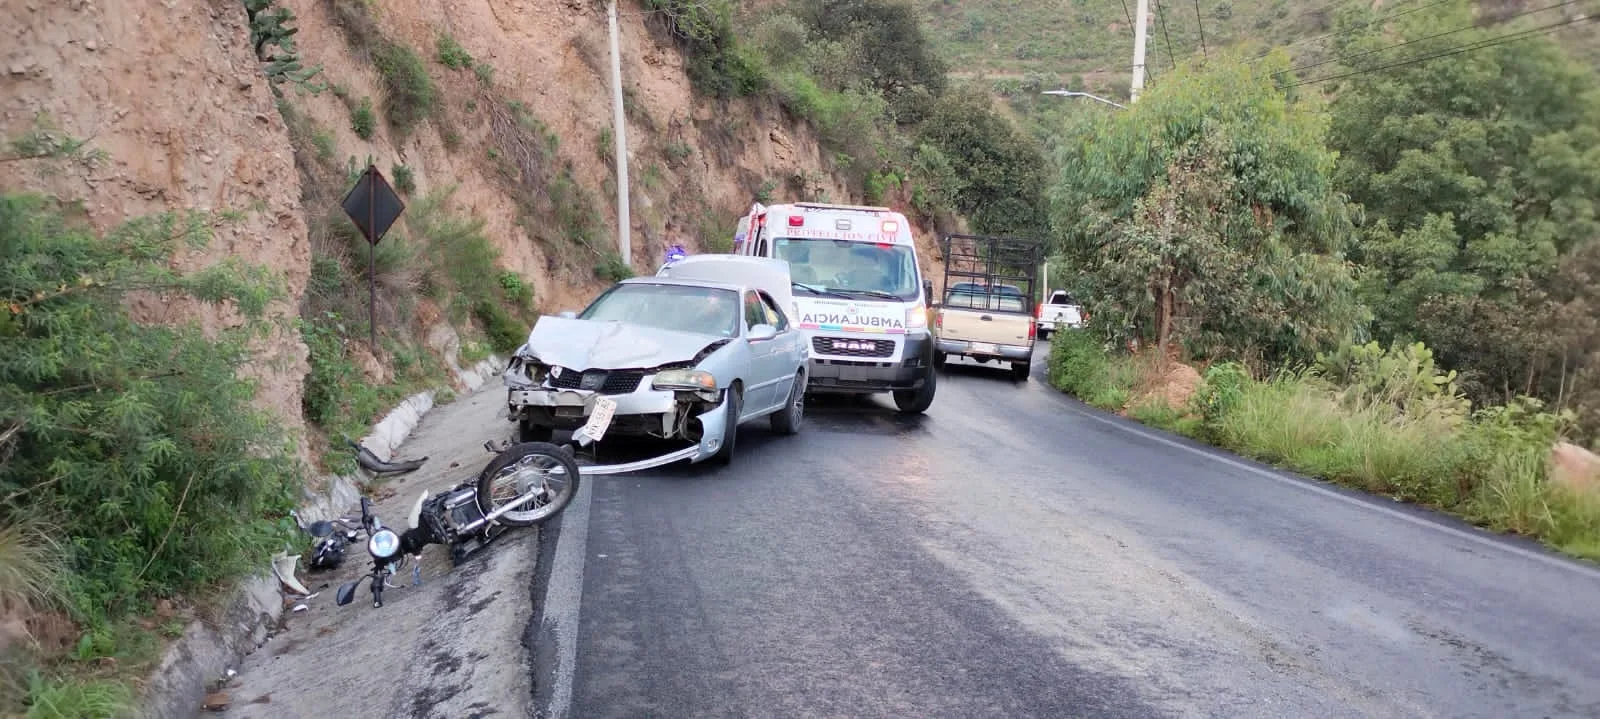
[1001,170]
[1478,174]
[1206,213]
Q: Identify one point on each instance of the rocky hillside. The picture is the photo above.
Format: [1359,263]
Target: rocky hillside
[493,119]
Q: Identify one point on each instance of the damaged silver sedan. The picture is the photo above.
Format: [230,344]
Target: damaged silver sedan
[686,355]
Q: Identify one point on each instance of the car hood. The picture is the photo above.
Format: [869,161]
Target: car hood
[593,344]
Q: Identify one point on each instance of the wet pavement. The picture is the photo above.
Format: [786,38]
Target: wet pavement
[1012,553]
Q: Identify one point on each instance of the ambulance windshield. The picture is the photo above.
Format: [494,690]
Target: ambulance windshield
[865,270]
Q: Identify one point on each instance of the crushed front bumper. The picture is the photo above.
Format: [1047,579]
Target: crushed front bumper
[642,413]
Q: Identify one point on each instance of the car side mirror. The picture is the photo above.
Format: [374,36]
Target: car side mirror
[762,332]
[569,314]
[927,290]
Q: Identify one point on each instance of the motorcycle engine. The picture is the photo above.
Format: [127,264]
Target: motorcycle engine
[460,507]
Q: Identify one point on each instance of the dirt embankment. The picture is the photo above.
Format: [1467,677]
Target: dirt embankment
[172,96]
[175,97]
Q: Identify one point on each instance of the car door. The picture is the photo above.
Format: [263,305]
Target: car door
[789,353]
[761,379]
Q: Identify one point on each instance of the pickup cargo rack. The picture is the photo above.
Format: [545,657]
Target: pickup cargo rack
[992,261]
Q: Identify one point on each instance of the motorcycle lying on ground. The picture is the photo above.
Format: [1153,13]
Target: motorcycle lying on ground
[524,485]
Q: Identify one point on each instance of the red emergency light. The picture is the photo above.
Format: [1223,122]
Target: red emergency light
[797,220]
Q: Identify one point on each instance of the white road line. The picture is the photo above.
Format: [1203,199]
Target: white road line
[1482,540]
[564,595]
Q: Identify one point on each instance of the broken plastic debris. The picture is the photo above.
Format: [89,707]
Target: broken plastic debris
[299,608]
[283,565]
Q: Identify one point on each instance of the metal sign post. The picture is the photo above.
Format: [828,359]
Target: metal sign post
[373,205]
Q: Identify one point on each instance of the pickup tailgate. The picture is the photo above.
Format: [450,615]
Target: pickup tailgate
[998,328]
[1061,314]
[992,319]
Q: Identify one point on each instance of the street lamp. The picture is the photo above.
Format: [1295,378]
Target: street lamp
[1072,93]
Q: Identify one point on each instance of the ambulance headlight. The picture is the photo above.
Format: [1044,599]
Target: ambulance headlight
[917,317]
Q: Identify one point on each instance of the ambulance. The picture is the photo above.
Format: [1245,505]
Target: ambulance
[859,296]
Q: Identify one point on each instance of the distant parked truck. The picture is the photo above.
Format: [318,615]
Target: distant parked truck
[987,311]
[1060,311]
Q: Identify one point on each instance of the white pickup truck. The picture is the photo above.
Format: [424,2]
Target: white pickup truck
[1061,310]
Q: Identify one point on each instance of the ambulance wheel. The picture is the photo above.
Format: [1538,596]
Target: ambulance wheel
[917,401]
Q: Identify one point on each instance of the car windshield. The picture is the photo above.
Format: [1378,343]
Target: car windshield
[864,269]
[703,310]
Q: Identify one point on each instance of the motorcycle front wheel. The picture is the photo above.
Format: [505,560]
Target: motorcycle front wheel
[529,467]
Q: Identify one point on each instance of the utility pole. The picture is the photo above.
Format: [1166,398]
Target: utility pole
[620,146]
[1141,19]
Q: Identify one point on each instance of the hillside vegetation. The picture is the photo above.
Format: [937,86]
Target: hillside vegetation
[1011,40]
[1394,287]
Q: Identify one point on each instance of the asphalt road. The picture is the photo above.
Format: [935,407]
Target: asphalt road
[1013,553]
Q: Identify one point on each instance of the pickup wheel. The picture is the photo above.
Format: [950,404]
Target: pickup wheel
[917,401]
[1044,334]
[1020,371]
[939,359]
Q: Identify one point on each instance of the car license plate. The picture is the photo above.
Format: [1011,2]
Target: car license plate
[595,428]
[985,347]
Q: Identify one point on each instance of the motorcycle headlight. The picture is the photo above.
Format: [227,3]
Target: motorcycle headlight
[917,317]
[684,379]
[384,544]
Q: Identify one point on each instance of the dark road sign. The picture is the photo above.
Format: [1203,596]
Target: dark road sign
[373,205]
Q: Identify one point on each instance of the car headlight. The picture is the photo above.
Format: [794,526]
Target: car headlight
[686,379]
[917,317]
[384,544]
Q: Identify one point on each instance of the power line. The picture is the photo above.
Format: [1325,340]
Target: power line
[1458,50]
[1387,48]
[1162,14]
[1353,28]
[1200,22]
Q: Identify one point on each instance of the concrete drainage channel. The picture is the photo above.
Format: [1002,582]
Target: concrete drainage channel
[207,652]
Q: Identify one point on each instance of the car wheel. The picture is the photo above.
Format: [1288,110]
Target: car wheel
[939,359]
[1044,335]
[1020,371]
[788,419]
[730,422]
[917,401]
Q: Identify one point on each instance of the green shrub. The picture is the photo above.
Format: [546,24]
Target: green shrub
[517,291]
[141,442]
[718,64]
[1220,390]
[1081,367]
[410,96]
[336,396]
[612,268]
[362,119]
[403,180]
[505,333]
[68,698]
[452,55]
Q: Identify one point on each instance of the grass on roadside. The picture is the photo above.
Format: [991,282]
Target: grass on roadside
[1383,421]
